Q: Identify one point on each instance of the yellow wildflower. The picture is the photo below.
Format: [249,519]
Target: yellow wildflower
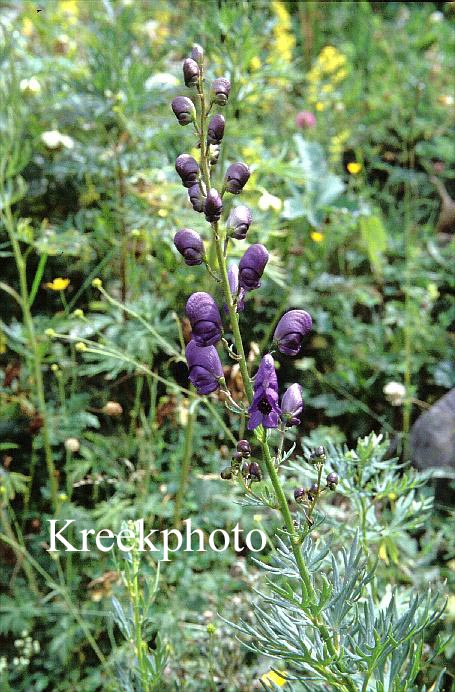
[354,167]
[274,677]
[255,64]
[317,236]
[320,106]
[383,553]
[284,39]
[27,27]
[58,284]
[163,213]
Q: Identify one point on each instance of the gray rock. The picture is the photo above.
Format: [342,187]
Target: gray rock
[433,435]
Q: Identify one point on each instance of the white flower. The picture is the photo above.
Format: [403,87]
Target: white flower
[395,393]
[72,444]
[30,86]
[436,17]
[53,139]
[268,201]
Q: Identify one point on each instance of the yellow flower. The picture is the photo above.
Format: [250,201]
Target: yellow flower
[275,678]
[320,106]
[354,167]
[317,237]
[383,553]
[255,64]
[163,213]
[268,201]
[58,284]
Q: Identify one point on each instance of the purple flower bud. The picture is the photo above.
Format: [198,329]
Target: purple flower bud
[190,245]
[197,53]
[220,90]
[233,278]
[196,199]
[299,494]
[215,130]
[332,480]
[290,330]
[254,471]
[292,404]
[213,206]
[236,177]
[244,447]
[190,72]
[184,110]
[205,369]
[188,169]
[251,266]
[204,317]
[264,408]
[240,220]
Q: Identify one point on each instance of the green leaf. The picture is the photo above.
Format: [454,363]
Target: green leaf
[374,236]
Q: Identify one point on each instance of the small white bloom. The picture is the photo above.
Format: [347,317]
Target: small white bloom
[53,139]
[436,17]
[395,393]
[72,444]
[30,86]
[268,201]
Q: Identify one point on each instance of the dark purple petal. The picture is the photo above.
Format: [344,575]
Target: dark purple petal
[215,130]
[188,169]
[213,206]
[236,177]
[265,377]
[190,245]
[197,53]
[196,199]
[291,329]
[240,220]
[184,109]
[264,409]
[205,369]
[251,266]
[220,90]
[190,72]
[204,317]
[292,404]
[233,278]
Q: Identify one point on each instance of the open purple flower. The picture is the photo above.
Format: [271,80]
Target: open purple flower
[184,110]
[215,130]
[264,409]
[251,266]
[204,317]
[236,177]
[213,206]
[220,90]
[197,201]
[190,72]
[190,245]
[239,294]
[205,369]
[290,330]
[240,220]
[292,404]
[188,169]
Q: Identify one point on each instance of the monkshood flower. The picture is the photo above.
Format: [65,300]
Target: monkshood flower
[220,91]
[197,53]
[292,404]
[205,369]
[190,72]
[238,293]
[264,408]
[213,206]
[290,330]
[188,169]
[204,317]
[184,110]
[190,245]
[251,266]
[215,129]
[197,202]
[236,177]
[240,220]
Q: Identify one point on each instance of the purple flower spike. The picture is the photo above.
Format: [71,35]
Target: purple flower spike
[236,177]
[264,408]
[220,91]
[292,404]
[204,317]
[184,110]
[188,169]
[251,267]
[290,330]
[197,202]
[197,53]
[205,369]
[213,206]
[190,245]
[215,130]
[233,277]
[190,72]
[240,220]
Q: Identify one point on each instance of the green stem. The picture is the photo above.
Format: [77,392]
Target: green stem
[186,461]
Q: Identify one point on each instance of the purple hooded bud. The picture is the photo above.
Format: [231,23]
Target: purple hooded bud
[190,72]
[239,295]
[188,169]
[292,404]
[240,220]
[220,91]
[190,245]
[184,110]
[290,330]
[215,130]
[213,206]
[205,369]
[264,408]
[251,266]
[197,53]
[236,177]
[197,202]
[204,317]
